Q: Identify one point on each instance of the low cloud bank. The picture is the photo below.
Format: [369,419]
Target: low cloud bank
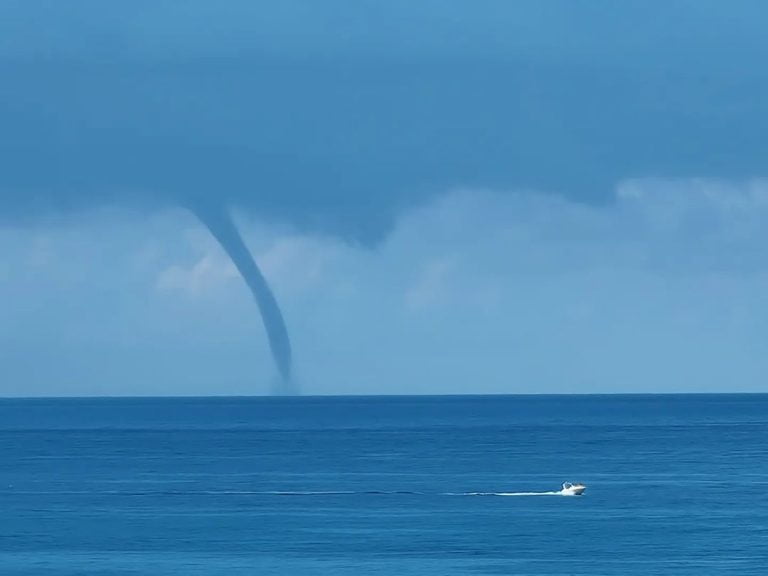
[475,292]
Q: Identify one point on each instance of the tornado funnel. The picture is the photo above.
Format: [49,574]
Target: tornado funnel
[219,222]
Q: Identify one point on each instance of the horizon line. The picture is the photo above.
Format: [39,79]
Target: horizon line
[385,395]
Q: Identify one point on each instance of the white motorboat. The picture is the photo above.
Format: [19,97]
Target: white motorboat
[576,489]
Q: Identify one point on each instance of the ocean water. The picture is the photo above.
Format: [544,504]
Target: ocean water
[394,485]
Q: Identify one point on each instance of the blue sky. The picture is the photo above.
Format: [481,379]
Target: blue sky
[456,197]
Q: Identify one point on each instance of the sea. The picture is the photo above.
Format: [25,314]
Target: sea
[416,485]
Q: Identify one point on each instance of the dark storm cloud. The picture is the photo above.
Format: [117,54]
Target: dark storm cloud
[336,118]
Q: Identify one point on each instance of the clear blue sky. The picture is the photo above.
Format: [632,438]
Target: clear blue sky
[446,197]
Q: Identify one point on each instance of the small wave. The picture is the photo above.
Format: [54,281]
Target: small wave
[335,492]
[212,492]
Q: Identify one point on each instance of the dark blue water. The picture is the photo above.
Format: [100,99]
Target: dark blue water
[677,485]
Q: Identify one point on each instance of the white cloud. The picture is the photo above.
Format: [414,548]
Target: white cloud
[210,272]
[431,285]
[297,263]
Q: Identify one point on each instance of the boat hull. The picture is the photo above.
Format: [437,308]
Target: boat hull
[573,490]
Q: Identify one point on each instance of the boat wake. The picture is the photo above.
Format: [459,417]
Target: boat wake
[568,490]
[557,493]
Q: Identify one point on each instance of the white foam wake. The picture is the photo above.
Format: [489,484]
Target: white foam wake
[550,493]
[286,493]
